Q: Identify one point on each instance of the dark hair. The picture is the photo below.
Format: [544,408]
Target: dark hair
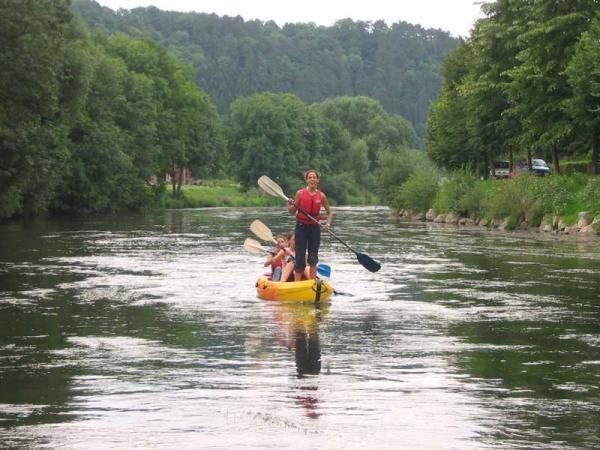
[309,171]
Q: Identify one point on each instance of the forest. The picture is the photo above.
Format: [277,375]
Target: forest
[98,109]
[93,121]
[397,64]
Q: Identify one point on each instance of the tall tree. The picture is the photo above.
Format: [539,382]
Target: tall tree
[33,138]
[539,86]
[583,72]
[448,141]
[272,134]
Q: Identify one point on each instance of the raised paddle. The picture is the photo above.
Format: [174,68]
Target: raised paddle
[253,246]
[272,188]
[262,231]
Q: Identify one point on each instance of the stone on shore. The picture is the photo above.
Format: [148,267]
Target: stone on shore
[452,219]
[584,220]
[430,216]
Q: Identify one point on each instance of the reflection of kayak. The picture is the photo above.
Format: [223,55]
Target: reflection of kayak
[300,291]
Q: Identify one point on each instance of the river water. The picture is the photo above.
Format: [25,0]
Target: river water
[144,331]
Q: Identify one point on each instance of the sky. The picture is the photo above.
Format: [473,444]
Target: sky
[454,16]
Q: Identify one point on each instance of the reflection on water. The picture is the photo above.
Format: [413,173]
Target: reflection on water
[144,331]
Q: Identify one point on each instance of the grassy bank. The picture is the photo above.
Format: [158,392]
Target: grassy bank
[526,198]
[213,193]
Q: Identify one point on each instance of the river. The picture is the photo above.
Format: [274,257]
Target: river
[144,331]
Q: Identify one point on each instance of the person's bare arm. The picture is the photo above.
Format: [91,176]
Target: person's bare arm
[292,209]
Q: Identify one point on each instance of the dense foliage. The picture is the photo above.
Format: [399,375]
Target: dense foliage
[398,65]
[87,120]
[525,84]
[280,136]
[94,122]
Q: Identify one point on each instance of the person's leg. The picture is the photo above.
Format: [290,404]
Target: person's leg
[314,242]
[301,241]
[287,271]
[276,275]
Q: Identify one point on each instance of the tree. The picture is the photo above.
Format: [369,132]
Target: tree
[33,138]
[583,72]
[365,119]
[448,141]
[187,127]
[274,135]
[539,87]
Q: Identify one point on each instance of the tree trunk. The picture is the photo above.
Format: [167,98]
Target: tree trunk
[596,151]
[529,159]
[511,159]
[486,167]
[173,180]
[180,175]
[555,157]
[492,163]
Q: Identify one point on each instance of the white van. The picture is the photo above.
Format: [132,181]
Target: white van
[501,169]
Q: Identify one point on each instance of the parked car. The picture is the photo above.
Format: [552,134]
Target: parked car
[538,167]
[501,169]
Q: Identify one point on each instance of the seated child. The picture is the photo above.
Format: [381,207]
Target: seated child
[276,258]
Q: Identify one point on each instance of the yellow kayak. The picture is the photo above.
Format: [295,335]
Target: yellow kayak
[299,291]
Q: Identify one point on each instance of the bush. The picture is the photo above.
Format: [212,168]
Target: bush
[419,191]
[571,167]
[394,169]
[518,198]
[591,195]
[453,194]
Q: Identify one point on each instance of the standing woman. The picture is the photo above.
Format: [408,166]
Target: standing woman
[308,232]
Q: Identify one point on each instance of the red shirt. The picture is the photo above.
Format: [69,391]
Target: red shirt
[311,203]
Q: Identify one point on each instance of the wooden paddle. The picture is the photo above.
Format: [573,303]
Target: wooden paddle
[262,231]
[272,188]
[253,246]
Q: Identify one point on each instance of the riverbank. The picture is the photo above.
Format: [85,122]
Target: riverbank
[586,226]
[215,193]
[561,204]
[222,193]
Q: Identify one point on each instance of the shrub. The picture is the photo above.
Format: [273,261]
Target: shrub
[591,194]
[452,194]
[571,167]
[518,198]
[419,190]
[395,167]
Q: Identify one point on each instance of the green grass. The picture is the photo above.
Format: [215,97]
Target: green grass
[212,193]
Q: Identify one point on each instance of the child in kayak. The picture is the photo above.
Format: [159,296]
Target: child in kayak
[276,258]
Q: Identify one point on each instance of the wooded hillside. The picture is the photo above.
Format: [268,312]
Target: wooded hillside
[397,64]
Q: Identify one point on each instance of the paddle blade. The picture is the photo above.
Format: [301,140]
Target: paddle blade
[252,246]
[324,270]
[261,230]
[270,187]
[368,263]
